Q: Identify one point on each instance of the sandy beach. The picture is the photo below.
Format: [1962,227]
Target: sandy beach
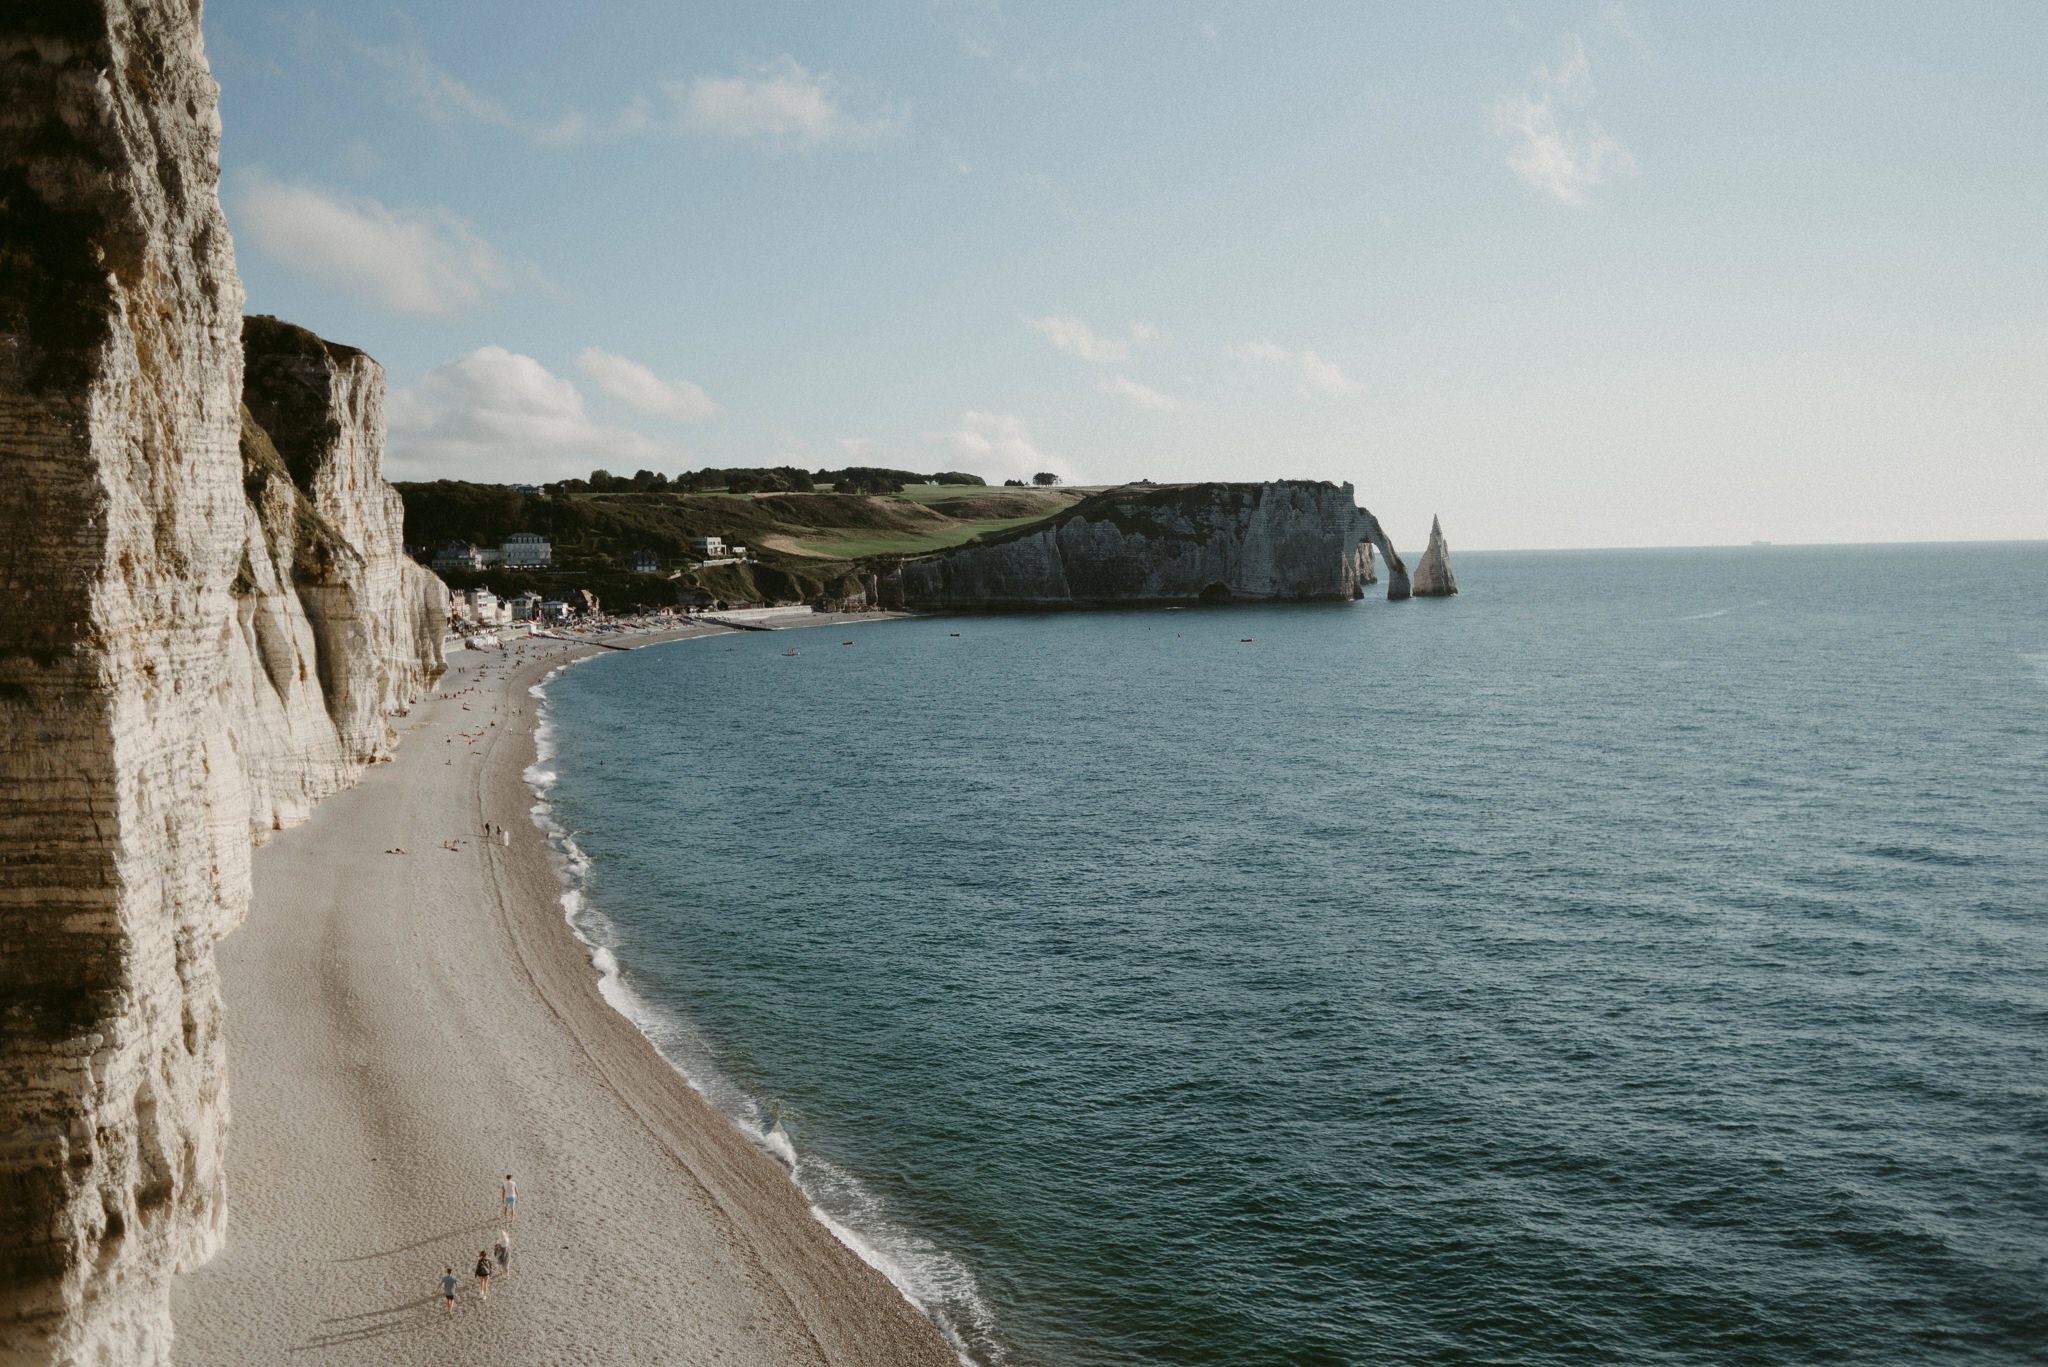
[405,1029]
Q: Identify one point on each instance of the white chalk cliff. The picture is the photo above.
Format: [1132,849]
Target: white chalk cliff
[342,624]
[1433,572]
[1289,540]
[199,642]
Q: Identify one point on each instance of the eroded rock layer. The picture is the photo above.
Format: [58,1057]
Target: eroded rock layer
[1433,571]
[139,695]
[1291,540]
[340,627]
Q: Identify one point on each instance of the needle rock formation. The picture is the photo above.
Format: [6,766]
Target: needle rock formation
[1433,572]
[207,624]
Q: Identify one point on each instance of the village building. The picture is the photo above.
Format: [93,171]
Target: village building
[646,562]
[526,550]
[458,555]
[715,551]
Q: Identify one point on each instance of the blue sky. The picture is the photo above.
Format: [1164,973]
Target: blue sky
[1590,274]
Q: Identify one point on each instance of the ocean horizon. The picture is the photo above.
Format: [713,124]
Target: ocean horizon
[1638,957]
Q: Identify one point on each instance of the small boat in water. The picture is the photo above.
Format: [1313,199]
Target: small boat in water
[792,652]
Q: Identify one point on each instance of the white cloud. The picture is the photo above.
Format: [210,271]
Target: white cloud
[1325,377]
[499,417]
[1617,19]
[641,390]
[861,450]
[1552,148]
[1076,338]
[997,446]
[417,81]
[1138,394]
[777,105]
[423,263]
[975,22]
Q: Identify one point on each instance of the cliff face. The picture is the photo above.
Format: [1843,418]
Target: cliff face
[1293,540]
[339,626]
[1433,572]
[121,807]
[136,684]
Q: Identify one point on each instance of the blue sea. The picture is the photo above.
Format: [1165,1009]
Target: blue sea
[1639,958]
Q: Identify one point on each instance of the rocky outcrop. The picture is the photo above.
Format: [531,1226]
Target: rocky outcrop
[339,626]
[1433,572]
[1291,540]
[152,669]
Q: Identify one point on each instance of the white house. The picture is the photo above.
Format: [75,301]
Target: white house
[710,547]
[526,550]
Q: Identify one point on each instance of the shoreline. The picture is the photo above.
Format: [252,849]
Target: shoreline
[405,1028]
[929,1277]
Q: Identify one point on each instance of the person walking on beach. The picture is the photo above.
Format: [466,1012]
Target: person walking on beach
[504,1252]
[483,1274]
[510,1193]
[448,1285]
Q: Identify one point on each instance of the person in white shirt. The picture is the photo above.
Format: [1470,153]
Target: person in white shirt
[510,1193]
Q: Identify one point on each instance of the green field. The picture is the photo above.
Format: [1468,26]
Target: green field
[855,545]
[801,546]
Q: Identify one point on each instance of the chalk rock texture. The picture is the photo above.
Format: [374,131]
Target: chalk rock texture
[139,695]
[1433,572]
[1290,540]
[339,626]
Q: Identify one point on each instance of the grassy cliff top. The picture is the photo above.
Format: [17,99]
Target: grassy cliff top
[1140,509]
[602,531]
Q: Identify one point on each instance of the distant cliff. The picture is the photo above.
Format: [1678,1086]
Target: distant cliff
[206,624]
[1287,541]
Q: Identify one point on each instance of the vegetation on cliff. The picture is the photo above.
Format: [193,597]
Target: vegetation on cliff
[801,546]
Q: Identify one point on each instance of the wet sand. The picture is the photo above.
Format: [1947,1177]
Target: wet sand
[405,1029]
